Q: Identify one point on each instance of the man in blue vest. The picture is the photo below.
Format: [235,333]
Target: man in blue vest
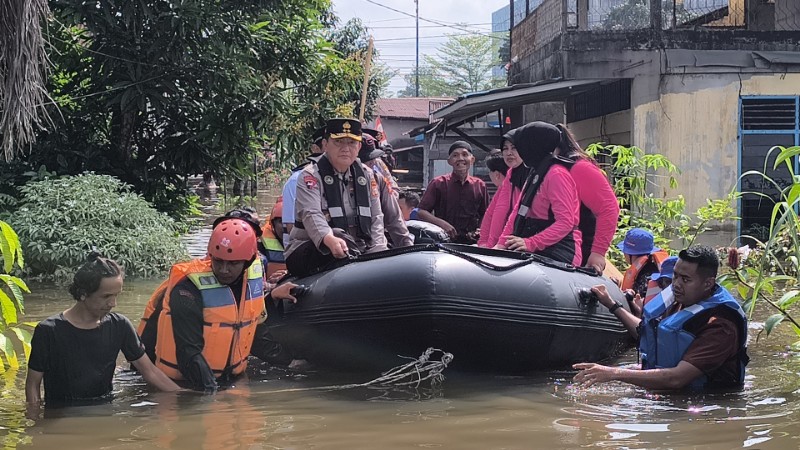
[691,335]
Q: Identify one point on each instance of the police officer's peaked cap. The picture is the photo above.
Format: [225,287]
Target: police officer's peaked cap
[318,135]
[343,128]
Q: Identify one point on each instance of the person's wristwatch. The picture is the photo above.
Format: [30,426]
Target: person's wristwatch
[614,307]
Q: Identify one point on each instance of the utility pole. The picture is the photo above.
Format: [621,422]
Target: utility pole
[416,91]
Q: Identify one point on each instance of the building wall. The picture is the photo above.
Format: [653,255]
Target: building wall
[540,27]
[613,128]
[552,112]
[694,121]
[395,130]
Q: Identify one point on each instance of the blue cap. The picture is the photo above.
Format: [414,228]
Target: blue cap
[638,241]
[667,269]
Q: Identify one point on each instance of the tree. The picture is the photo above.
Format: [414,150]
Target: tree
[429,84]
[463,64]
[332,89]
[153,91]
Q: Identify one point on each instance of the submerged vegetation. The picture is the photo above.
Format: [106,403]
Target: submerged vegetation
[60,220]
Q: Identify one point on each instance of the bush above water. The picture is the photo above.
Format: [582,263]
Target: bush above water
[59,220]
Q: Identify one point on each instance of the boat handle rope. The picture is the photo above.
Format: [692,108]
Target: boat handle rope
[525,259]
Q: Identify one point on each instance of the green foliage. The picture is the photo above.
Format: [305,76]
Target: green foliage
[60,220]
[641,182]
[773,266]
[463,65]
[151,91]
[11,300]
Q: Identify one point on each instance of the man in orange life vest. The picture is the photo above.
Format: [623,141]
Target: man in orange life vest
[645,260]
[200,324]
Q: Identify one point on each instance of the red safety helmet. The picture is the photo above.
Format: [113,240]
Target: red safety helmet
[277,210]
[233,240]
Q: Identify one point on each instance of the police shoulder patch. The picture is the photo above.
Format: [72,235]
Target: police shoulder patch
[310,181]
[373,187]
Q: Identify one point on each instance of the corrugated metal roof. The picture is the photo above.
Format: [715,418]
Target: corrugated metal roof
[408,107]
[476,103]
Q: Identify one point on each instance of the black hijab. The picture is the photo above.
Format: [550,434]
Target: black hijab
[535,141]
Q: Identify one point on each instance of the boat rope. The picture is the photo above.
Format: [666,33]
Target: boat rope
[528,259]
[466,252]
[412,374]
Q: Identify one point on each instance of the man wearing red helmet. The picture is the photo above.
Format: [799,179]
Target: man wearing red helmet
[199,325]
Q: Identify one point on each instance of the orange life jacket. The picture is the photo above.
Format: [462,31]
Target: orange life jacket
[228,327]
[274,247]
[633,272]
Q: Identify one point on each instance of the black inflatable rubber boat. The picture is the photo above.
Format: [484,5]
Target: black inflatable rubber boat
[495,311]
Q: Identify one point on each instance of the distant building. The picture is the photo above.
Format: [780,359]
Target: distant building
[399,116]
[501,23]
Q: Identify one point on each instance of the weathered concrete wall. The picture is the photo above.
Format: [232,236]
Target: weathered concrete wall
[613,128]
[552,112]
[694,122]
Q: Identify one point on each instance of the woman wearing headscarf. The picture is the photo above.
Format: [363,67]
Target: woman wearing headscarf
[507,194]
[599,211]
[545,219]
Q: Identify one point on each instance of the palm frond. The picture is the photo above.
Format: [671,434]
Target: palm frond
[23,74]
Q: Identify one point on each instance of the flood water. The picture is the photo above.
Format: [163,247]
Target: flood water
[272,408]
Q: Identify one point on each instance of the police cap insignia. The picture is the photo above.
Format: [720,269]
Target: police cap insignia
[343,128]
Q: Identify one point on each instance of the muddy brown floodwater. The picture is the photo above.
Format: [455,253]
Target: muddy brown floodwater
[542,410]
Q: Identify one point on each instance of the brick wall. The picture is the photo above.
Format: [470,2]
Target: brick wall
[540,27]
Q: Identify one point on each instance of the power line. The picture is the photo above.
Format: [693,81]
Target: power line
[431,37]
[424,26]
[435,22]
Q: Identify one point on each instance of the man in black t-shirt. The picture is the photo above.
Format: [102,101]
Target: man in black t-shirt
[79,363]
[75,352]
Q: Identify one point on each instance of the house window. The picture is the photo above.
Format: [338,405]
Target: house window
[764,123]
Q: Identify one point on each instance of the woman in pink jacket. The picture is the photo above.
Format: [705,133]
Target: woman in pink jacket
[545,218]
[599,211]
[507,194]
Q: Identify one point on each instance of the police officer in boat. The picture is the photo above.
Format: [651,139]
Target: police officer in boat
[337,209]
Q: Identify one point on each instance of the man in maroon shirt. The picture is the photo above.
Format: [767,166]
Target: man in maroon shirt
[456,201]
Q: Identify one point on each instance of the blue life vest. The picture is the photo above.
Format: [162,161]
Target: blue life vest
[663,342]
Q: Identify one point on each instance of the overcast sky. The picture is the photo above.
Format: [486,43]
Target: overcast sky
[398,51]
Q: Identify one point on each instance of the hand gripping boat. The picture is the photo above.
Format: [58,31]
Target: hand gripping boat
[495,311]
